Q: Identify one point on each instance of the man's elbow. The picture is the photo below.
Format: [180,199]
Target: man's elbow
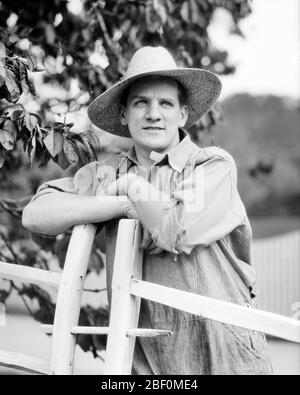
[37,219]
[33,221]
[29,219]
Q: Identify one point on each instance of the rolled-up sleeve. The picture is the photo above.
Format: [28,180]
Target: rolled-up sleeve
[85,182]
[206,207]
[60,185]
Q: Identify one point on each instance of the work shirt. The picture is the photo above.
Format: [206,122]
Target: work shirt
[198,241]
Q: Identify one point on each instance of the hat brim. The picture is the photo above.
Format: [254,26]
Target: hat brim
[203,89]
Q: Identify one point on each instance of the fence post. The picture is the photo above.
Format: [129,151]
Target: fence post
[69,299]
[125,308]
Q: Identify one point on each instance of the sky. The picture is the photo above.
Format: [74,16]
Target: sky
[268,60]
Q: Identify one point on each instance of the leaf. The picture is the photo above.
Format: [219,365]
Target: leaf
[7,140]
[91,144]
[16,205]
[185,12]
[59,126]
[60,250]
[44,158]
[14,108]
[160,10]
[70,152]
[3,295]
[90,316]
[45,314]
[31,121]
[31,86]
[8,135]
[97,262]
[2,74]
[2,50]
[81,151]
[23,76]
[93,139]
[153,19]
[89,150]
[4,93]
[47,243]
[2,64]
[62,160]
[26,81]
[54,143]
[32,149]
[204,5]
[12,86]
[2,157]
[50,34]
[97,317]
[10,127]
[86,153]
[17,114]
[32,62]
[195,15]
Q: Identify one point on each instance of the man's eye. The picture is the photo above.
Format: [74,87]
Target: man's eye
[166,103]
[140,103]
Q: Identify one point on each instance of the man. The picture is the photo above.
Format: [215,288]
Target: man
[196,234]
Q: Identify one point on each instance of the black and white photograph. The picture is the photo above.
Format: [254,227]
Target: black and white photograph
[149,190]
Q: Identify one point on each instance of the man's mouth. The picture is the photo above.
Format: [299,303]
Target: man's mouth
[154,128]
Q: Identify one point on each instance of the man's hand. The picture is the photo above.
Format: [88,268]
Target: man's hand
[121,186]
[130,212]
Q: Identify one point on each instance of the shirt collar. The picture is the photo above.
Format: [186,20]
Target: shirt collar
[177,157]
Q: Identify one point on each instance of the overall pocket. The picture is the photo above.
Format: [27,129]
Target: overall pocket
[251,341]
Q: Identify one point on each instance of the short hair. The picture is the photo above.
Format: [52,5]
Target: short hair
[182,94]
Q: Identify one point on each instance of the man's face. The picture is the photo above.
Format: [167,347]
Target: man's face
[154,115]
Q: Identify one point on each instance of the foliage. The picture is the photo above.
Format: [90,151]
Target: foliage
[268,164]
[45,44]
[41,142]
[114,28]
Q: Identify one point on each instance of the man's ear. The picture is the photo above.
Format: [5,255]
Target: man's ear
[184,113]
[122,114]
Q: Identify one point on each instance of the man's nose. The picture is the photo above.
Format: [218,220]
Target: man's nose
[153,113]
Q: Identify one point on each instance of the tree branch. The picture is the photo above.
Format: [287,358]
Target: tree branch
[10,249]
[109,42]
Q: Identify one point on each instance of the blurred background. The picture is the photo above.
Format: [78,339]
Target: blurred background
[69,52]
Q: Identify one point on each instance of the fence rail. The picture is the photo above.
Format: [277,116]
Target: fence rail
[227,313]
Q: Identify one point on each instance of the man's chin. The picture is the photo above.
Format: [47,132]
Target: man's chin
[159,142]
[153,140]
[158,146]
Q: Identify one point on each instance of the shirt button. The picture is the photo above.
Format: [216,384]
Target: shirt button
[249,307]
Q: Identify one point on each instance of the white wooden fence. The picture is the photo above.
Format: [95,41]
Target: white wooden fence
[127,291]
[277,263]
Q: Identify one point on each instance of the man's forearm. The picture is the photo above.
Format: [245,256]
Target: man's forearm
[54,213]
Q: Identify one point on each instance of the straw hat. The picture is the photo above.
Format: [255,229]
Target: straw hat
[202,87]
